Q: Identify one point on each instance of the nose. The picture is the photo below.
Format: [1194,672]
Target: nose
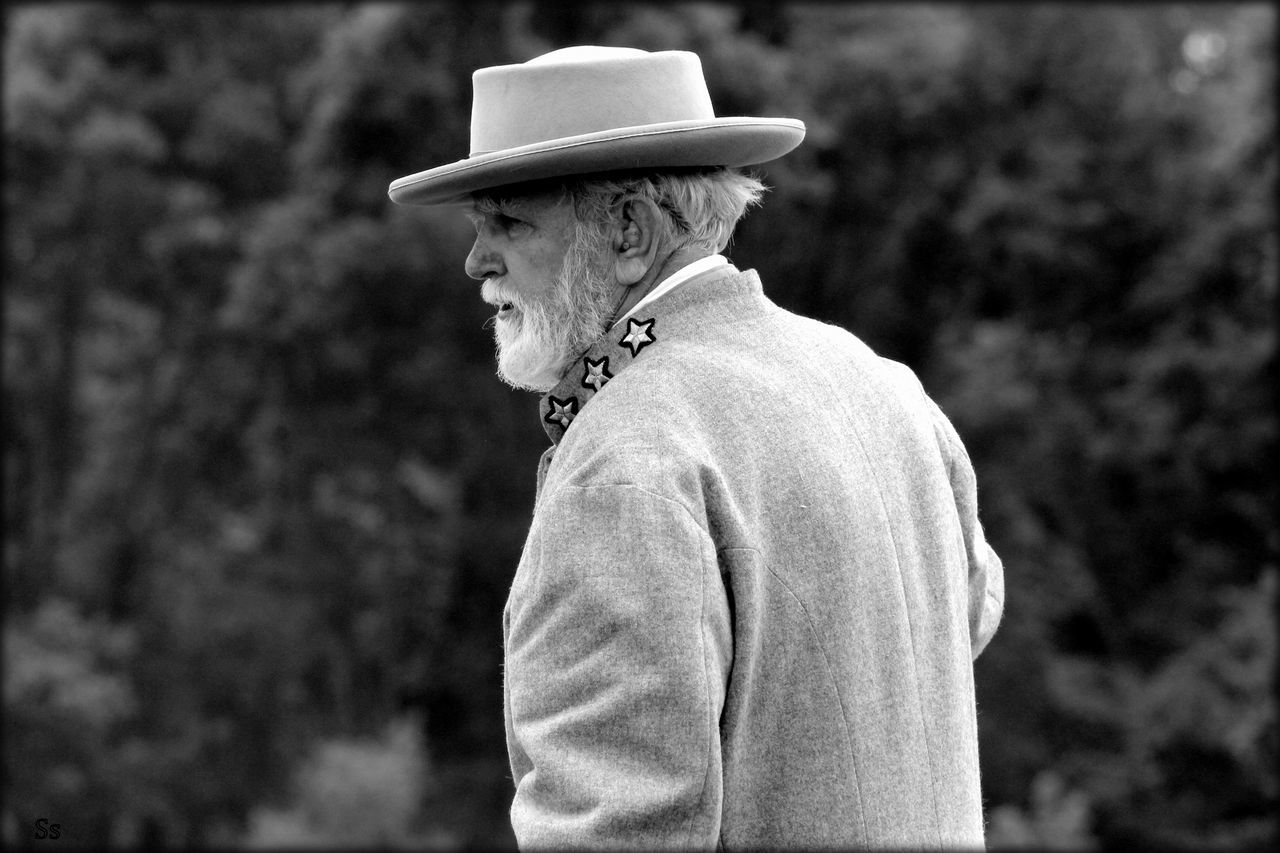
[483,261]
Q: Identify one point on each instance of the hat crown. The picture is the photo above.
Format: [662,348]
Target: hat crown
[581,90]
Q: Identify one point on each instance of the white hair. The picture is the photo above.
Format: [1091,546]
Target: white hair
[700,208]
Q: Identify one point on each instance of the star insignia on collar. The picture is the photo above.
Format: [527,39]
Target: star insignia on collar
[639,335]
[562,412]
[597,373]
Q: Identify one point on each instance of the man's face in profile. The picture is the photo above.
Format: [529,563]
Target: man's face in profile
[550,277]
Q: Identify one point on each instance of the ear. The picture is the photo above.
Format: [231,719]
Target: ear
[639,236]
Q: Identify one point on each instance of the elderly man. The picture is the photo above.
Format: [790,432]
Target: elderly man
[755,581]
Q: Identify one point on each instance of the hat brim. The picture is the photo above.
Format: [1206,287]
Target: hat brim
[732,141]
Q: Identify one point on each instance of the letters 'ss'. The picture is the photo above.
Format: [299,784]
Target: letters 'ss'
[44,829]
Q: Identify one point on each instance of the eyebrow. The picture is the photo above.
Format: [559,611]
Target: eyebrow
[491,205]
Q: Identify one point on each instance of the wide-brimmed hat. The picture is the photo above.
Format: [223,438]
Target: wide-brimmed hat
[588,109]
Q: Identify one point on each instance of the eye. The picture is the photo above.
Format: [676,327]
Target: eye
[498,221]
[511,225]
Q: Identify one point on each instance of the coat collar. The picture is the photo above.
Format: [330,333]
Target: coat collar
[641,334]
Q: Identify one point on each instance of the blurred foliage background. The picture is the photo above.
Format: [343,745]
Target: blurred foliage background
[264,495]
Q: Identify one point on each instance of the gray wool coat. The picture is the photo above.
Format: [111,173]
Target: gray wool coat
[751,594]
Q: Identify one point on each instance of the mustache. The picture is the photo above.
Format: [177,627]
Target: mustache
[494,292]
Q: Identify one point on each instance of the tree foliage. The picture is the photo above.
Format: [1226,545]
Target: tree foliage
[264,495]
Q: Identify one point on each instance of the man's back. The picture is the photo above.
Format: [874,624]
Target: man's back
[767,586]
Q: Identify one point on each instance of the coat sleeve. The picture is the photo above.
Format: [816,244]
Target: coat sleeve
[986,572]
[618,651]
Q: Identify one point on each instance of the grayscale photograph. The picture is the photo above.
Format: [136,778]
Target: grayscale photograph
[723,426]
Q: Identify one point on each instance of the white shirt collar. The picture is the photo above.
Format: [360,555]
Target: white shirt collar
[676,279]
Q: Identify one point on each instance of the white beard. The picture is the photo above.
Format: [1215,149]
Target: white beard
[541,338]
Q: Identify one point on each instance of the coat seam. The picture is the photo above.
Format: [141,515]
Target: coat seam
[835,685]
[911,630]
[642,489]
[706,689]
